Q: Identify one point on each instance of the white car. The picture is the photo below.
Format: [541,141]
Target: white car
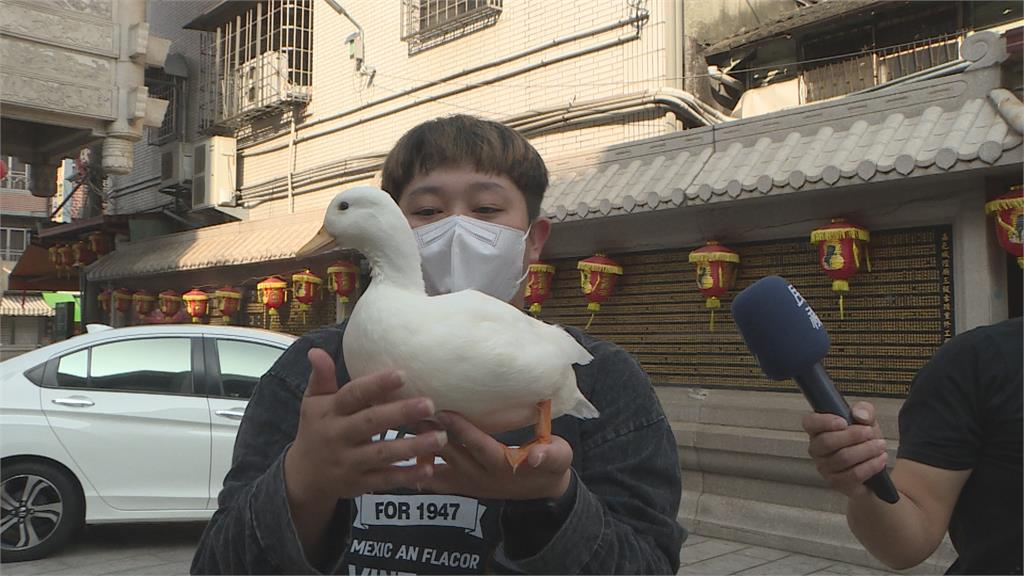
[122,425]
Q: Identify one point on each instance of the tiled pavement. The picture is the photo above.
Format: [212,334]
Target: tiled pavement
[715,557]
[166,549]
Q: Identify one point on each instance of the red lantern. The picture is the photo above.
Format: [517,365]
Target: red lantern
[170,302]
[54,257]
[82,254]
[597,278]
[229,299]
[65,259]
[104,300]
[99,243]
[122,300]
[143,302]
[716,273]
[538,285]
[272,294]
[841,250]
[343,279]
[304,290]
[1009,211]
[196,303]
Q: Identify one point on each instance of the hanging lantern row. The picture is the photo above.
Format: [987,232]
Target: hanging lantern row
[597,279]
[78,254]
[842,250]
[716,274]
[1009,218]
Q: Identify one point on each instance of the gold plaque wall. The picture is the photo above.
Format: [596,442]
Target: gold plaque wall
[897,315]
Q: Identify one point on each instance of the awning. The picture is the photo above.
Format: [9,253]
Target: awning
[219,14]
[54,298]
[13,304]
[276,238]
[934,126]
[107,223]
[35,272]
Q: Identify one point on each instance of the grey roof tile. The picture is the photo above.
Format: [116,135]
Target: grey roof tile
[943,124]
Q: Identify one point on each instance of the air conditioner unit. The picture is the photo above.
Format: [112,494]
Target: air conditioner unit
[175,164]
[213,172]
[262,81]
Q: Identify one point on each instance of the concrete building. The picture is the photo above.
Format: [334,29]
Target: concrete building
[663,126]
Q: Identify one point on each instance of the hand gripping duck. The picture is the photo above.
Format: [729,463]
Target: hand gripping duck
[467,351]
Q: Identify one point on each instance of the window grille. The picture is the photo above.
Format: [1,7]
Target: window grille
[172,89]
[18,174]
[853,74]
[13,242]
[257,63]
[427,23]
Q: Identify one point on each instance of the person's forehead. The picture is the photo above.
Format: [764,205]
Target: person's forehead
[459,181]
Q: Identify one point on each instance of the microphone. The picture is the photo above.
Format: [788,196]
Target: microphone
[789,340]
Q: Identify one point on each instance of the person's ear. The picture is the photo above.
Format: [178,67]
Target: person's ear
[539,232]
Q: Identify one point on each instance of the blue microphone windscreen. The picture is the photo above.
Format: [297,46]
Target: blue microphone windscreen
[779,327]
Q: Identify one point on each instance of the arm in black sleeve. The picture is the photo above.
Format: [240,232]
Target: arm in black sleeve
[252,531]
[623,519]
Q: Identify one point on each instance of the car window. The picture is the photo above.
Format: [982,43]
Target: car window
[73,370]
[242,364]
[162,365]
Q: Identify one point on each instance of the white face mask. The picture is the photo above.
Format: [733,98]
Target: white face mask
[461,253]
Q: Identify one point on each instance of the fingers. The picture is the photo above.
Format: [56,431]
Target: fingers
[382,454]
[486,450]
[554,457]
[364,392]
[827,443]
[815,423]
[376,419]
[852,456]
[322,379]
[851,481]
[864,413]
[391,477]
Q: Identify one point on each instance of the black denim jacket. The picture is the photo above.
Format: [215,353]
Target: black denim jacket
[622,519]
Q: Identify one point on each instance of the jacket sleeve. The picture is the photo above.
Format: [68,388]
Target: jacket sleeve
[629,484]
[252,531]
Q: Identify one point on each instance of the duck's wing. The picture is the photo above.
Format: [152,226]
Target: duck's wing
[480,316]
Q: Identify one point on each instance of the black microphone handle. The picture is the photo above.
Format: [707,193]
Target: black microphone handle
[821,393]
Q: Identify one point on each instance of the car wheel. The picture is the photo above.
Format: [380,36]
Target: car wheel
[41,510]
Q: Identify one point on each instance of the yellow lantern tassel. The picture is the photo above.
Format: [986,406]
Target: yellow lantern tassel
[587,327]
[1020,262]
[842,314]
[535,309]
[867,258]
[712,319]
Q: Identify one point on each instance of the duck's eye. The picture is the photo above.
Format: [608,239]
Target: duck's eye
[343,206]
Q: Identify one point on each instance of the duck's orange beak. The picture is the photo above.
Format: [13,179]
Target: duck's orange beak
[320,243]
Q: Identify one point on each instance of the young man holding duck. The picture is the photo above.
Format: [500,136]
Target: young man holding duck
[314,486]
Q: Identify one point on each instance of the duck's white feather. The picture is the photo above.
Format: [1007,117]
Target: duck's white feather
[467,351]
[470,353]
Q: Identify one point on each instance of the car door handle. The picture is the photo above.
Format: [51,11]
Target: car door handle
[74,401]
[234,413]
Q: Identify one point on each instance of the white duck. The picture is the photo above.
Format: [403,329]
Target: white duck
[467,351]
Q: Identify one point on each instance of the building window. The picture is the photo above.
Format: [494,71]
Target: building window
[18,174]
[171,88]
[13,242]
[427,23]
[257,62]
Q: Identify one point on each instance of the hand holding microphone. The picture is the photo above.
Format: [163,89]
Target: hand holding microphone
[789,341]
